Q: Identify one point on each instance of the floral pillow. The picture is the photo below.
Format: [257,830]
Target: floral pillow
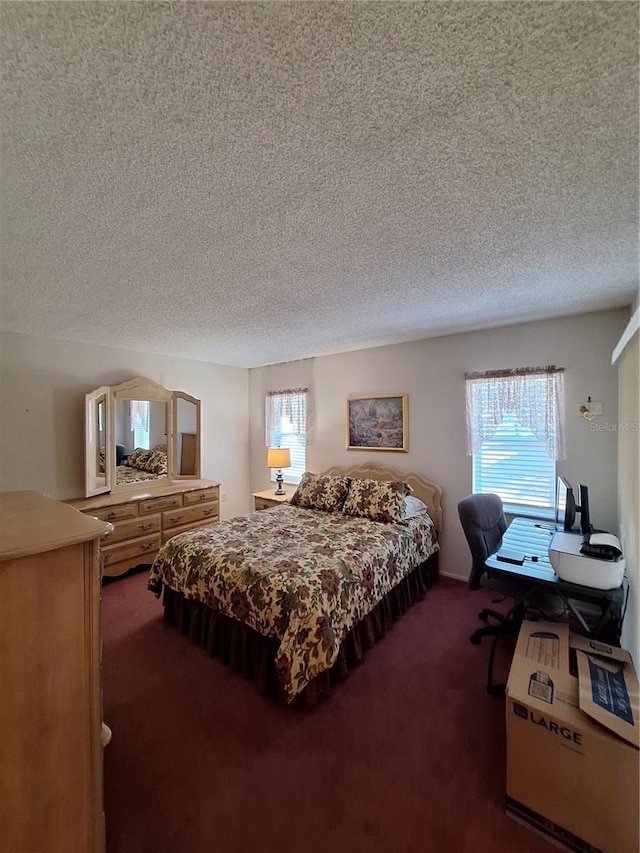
[306,482]
[157,463]
[379,500]
[321,491]
[139,458]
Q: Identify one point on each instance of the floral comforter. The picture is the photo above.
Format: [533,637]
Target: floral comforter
[304,576]
[125,474]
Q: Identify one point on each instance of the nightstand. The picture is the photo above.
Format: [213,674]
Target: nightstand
[263,500]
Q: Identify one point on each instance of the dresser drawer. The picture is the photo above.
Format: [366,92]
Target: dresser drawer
[200,496]
[175,531]
[139,551]
[190,515]
[141,523]
[158,504]
[115,513]
[264,503]
[133,529]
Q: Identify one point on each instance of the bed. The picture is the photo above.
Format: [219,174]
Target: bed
[128,474]
[140,465]
[293,595]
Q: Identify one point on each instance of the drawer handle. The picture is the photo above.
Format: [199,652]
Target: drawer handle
[146,547]
[208,511]
[111,515]
[203,497]
[174,519]
[146,526]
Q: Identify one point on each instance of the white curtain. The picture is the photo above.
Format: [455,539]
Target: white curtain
[535,395]
[139,414]
[291,404]
[290,377]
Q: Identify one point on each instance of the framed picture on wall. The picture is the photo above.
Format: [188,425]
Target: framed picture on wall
[378,422]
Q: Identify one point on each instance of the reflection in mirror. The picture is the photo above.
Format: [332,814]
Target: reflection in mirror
[186,425]
[101,427]
[140,428]
[96,446]
[138,431]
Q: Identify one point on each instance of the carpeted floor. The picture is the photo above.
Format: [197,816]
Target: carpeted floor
[406,756]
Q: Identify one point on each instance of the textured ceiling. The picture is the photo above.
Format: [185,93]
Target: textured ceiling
[248,183]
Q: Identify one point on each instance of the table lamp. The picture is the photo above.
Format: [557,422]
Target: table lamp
[278,457]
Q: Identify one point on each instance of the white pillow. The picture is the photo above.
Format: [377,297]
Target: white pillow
[413,506]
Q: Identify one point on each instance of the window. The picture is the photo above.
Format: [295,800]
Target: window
[515,433]
[139,423]
[514,464]
[286,426]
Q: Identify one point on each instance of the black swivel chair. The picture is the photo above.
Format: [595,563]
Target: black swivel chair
[483,522]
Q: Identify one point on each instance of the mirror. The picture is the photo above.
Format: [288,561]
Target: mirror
[186,421]
[97,456]
[140,425]
[139,433]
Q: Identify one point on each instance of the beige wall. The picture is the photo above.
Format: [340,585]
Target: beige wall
[628,424]
[43,382]
[432,373]
[42,388]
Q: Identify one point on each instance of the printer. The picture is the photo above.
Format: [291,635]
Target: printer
[574,567]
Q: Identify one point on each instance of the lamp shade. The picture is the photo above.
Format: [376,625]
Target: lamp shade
[278,457]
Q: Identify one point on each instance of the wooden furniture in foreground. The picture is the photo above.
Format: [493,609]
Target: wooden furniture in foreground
[50,687]
[143,520]
[263,500]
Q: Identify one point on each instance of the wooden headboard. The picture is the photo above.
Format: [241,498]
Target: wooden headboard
[426,490]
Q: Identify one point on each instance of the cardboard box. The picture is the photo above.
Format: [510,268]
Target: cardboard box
[573,738]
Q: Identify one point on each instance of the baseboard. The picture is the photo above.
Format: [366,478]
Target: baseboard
[453,577]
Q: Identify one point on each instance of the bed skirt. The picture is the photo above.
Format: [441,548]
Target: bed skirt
[246,651]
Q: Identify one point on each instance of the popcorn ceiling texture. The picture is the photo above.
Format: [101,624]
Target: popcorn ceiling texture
[249,183]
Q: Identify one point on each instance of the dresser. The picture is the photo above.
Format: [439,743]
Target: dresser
[268,498]
[143,520]
[51,726]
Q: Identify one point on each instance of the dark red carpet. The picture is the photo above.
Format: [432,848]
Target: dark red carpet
[407,755]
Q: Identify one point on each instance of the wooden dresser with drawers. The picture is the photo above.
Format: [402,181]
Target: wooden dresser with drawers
[143,520]
[50,677]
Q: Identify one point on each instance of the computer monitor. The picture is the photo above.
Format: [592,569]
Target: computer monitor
[565,505]
[583,509]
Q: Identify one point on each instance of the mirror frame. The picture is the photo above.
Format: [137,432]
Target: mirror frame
[141,388]
[91,405]
[138,388]
[176,466]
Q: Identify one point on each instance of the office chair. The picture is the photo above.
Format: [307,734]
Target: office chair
[483,522]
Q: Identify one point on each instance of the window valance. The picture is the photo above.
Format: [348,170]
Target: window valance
[535,395]
[289,403]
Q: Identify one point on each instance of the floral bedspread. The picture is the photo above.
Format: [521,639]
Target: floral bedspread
[125,474]
[301,575]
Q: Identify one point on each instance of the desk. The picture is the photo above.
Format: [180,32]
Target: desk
[602,610]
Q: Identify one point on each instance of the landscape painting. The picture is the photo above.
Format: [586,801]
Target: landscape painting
[377,423]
